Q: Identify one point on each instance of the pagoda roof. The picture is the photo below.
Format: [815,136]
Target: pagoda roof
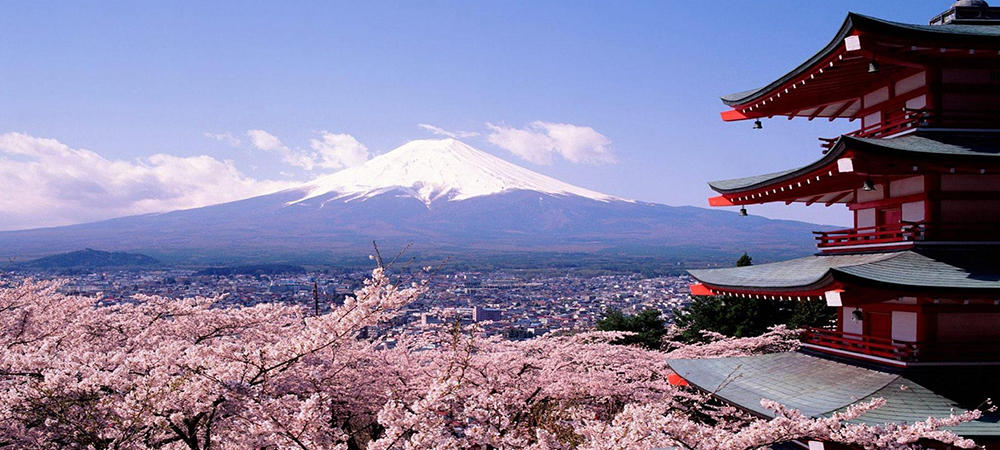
[940,145]
[790,274]
[819,387]
[949,34]
[931,269]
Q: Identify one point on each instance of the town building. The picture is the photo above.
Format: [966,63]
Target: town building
[916,280]
[481,314]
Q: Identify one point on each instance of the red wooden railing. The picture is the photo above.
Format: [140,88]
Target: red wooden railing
[921,118]
[907,232]
[909,120]
[862,345]
[882,234]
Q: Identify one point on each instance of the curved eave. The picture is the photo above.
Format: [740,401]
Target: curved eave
[959,273]
[745,103]
[801,276]
[930,151]
[847,279]
[745,97]
[816,292]
[750,184]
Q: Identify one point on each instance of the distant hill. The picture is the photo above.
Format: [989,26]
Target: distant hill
[444,197]
[91,258]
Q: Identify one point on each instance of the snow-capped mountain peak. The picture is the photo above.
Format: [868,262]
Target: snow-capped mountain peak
[438,169]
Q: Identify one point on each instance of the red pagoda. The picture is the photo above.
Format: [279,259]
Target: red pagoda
[916,281]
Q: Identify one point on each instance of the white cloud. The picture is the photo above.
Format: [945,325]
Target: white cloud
[336,151]
[47,183]
[265,141]
[452,134]
[527,144]
[540,141]
[227,138]
[331,151]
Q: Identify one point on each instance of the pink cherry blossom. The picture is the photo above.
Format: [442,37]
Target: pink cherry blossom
[158,373]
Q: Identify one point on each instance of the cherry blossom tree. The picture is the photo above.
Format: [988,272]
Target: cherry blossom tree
[777,339]
[159,373]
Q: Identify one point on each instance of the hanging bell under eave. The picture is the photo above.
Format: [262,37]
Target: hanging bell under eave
[873,67]
[743,211]
[757,124]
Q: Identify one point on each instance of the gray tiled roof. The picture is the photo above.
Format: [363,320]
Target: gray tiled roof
[933,268]
[969,268]
[935,143]
[743,183]
[946,34]
[818,387]
[786,274]
[926,144]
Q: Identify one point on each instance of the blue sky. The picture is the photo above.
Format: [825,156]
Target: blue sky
[130,80]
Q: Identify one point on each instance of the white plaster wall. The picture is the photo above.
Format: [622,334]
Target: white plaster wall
[906,186]
[866,217]
[913,211]
[904,326]
[968,326]
[910,83]
[877,96]
[867,196]
[872,119]
[851,325]
[917,102]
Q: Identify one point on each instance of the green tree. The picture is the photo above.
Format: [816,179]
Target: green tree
[744,260]
[812,313]
[737,317]
[746,317]
[647,325]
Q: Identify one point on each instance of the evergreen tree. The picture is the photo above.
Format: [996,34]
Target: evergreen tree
[647,324]
[736,317]
[747,317]
[812,314]
[744,260]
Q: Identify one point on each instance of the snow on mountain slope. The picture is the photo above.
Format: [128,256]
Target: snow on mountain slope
[435,169]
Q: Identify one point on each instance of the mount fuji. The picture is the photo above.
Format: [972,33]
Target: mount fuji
[444,197]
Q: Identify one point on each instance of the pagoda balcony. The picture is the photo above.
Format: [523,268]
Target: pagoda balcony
[901,353]
[911,119]
[886,237]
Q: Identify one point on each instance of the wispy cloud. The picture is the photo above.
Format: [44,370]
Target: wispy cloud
[48,183]
[540,141]
[226,137]
[330,151]
[452,134]
[266,141]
